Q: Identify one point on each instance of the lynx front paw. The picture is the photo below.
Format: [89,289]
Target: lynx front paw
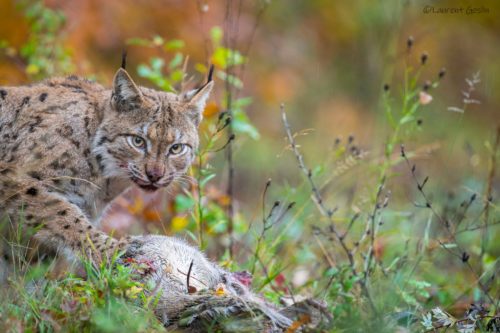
[130,247]
[106,249]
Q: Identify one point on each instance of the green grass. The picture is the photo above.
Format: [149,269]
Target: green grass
[107,299]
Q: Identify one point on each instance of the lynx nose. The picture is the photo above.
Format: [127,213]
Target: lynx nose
[154,173]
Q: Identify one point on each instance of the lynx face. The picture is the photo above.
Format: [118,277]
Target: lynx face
[148,136]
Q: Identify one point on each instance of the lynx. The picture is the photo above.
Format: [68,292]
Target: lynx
[69,147]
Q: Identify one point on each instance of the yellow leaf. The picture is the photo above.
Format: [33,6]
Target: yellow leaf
[220,290]
[32,69]
[133,291]
[179,223]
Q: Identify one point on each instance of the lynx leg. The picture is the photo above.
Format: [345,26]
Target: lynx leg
[58,222]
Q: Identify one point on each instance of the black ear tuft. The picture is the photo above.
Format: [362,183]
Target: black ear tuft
[209,79]
[124,59]
[210,73]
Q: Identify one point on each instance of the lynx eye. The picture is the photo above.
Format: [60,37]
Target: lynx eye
[137,141]
[177,148]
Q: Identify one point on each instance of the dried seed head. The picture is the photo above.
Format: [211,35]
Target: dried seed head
[423,58]
[350,139]
[442,73]
[427,85]
[222,115]
[409,42]
[386,87]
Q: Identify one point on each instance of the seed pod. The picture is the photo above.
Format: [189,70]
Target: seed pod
[409,42]
[423,58]
[427,85]
[442,73]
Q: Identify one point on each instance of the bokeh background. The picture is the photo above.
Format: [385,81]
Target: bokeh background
[328,62]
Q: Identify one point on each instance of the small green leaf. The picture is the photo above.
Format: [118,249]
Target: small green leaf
[177,75]
[183,202]
[243,102]
[157,64]
[241,124]
[207,179]
[174,44]
[176,61]
[158,40]
[139,41]
[216,35]
[406,119]
[233,80]
[144,70]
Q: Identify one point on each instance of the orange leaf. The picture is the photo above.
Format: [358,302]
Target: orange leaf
[211,109]
[303,319]
[151,215]
[136,206]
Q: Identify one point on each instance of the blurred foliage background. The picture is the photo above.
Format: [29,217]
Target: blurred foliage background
[329,62]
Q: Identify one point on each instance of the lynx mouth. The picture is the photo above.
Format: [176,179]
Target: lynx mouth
[146,186]
[149,188]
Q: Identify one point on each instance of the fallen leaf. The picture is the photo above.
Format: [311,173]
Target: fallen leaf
[220,290]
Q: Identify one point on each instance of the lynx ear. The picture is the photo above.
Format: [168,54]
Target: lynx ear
[196,100]
[125,93]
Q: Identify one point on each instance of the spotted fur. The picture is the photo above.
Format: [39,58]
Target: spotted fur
[69,146]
